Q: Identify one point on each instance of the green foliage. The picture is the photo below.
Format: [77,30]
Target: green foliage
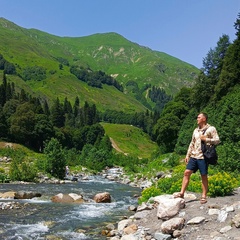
[130,140]
[37,73]
[41,164]
[55,158]
[168,125]
[209,77]
[94,78]
[230,73]
[71,156]
[21,168]
[222,184]
[229,157]
[22,123]
[8,67]
[185,132]
[95,159]
[116,55]
[148,193]
[131,164]
[166,131]
[172,161]
[63,61]
[3,176]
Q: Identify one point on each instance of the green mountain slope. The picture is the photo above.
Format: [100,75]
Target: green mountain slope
[109,52]
[130,140]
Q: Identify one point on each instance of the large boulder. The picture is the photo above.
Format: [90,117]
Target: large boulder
[26,195]
[168,206]
[67,198]
[102,197]
[9,194]
[173,224]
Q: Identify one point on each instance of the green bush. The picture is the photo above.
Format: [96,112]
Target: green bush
[229,155]
[3,176]
[221,184]
[22,170]
[148,193]
[55,158]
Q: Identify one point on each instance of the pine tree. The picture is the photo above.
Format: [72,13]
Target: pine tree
[230,74]
[57,114]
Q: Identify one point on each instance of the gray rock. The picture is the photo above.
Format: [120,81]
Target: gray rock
[161,236]
[196,220]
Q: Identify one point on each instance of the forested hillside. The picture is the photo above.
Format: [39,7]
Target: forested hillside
[72,130]
[216,92]
[102,69]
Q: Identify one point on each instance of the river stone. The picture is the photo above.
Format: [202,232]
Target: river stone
[102,197]
[141,214]
[132,208]
[122,224]
[26,195]
[10,205]
[130,229]
[9,194]
[144,206]
[76,197]
[129,237]
[67,198]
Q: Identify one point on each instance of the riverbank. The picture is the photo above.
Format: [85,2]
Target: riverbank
[218,219]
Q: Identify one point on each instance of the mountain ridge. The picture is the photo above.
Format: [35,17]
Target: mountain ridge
[109,52]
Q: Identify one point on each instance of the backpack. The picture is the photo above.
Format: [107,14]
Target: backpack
[209,152]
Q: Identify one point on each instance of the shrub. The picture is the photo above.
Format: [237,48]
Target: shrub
[22,169]
[221,184]
[3,176]
[148,193]
[34,73]
[55,158]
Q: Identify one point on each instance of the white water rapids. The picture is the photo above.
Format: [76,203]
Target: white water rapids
[42,218]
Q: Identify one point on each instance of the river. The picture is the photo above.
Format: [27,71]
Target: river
[42,218]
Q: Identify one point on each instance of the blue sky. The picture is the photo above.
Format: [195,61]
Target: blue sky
[185,29]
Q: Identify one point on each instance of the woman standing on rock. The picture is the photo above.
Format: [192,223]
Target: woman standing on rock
[195,159]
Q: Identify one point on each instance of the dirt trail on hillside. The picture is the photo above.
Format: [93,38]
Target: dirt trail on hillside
[115,146]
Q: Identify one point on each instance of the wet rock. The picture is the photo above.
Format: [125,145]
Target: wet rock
[10,205]
[67,198]
[9,194]
[132,208]
[26,195]
[102,197]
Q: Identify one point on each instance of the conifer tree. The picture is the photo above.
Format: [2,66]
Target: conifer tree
[230,74]
[57,114]
[46,108]
[209,76]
